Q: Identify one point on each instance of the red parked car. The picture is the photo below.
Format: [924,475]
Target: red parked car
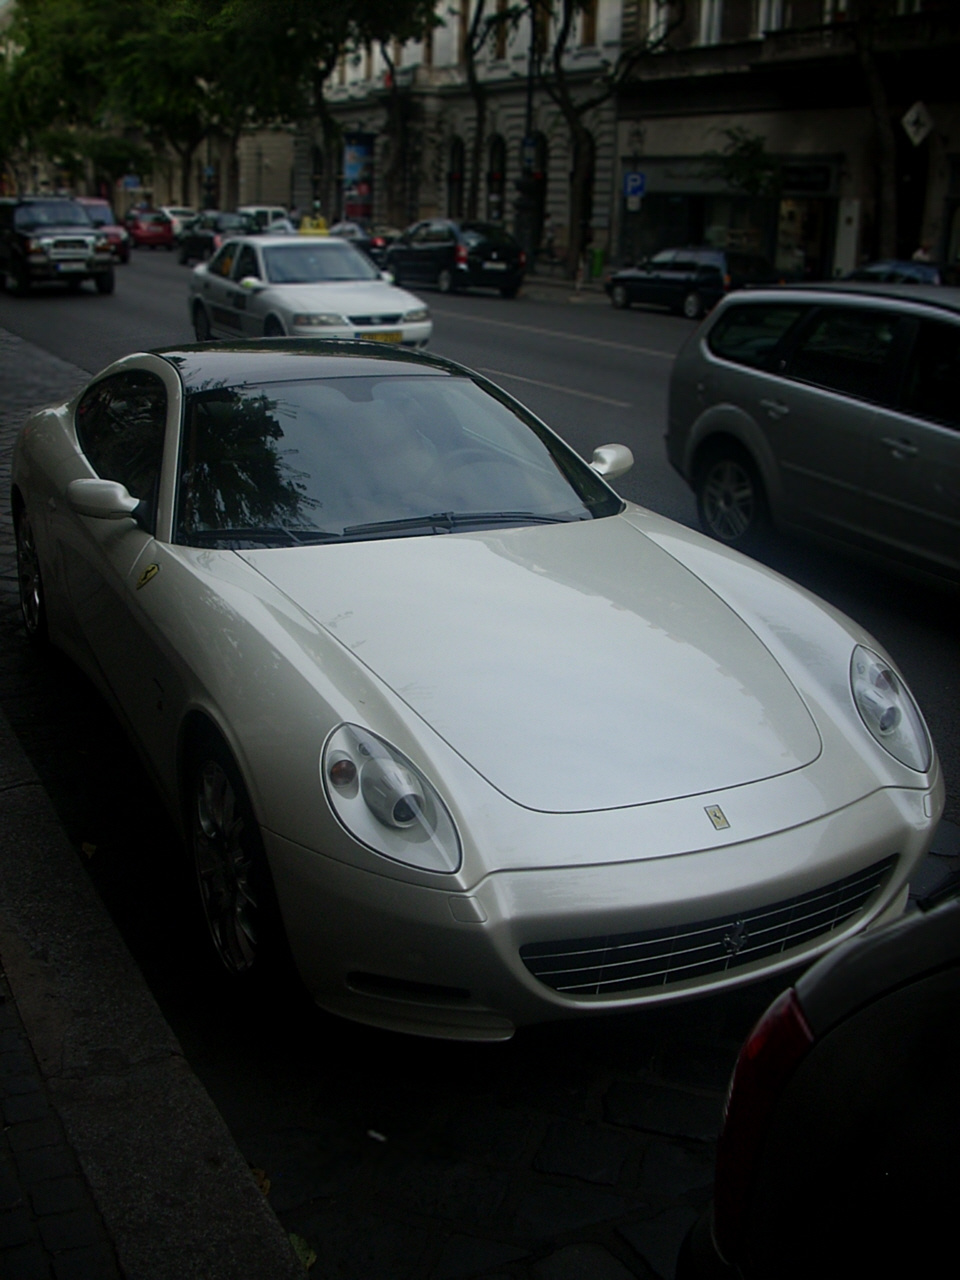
[100,212]
[150,227]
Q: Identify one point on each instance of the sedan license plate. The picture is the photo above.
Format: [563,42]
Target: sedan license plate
[495,266]
[71,266]
[386,335]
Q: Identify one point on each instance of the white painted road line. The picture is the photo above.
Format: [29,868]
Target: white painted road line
[558,333]
[552,386]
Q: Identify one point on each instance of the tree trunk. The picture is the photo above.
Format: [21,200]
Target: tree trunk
[886,156]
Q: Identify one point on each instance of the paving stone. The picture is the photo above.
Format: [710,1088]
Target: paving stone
[59,1195]
[454,1192]
[45,1162]
[25,1106]
[28,1262]
[93,1262]
[659,1109]
[581,1262]
[584,1151]
[493,1134]
[34,1134]
[658,1239]
[363,1247]
[464,1256]
[670,1170]
[545,1210]
[16,1227]
[69,1230]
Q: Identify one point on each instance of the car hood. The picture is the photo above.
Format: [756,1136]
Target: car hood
[351,297]
[576,667]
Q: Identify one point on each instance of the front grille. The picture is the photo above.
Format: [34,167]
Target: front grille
[72,245]
[658,957]
[374,320]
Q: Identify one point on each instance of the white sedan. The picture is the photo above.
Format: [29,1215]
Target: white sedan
[312,287]
[482,743]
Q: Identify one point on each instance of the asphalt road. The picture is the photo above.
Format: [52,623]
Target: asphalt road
[576,1150]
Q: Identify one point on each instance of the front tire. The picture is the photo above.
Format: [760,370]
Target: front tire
[272,328]
[445,281]
[731,503]
[201,323]
[619,297]
[233,878]
[33,606]
[692,306]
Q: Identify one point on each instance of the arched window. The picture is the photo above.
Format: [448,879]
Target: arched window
[455,179]
[496,178]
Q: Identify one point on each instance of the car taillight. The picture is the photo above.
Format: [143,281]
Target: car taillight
[461,255]
[377,242]
[727,281]
[217,240]
[522,260]
[778,1042]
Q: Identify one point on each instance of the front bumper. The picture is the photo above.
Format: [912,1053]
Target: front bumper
[437,962]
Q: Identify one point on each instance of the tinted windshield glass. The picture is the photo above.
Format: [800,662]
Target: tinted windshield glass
[101,215]
[474,233]
[50,213]
[357,458]
[314,263]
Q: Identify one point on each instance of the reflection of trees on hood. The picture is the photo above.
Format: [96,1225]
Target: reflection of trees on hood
[235,474]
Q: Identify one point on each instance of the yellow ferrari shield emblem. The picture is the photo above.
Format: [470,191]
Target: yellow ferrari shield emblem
[717,817]
[149,572]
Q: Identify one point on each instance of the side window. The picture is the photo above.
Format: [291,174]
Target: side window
[750,334]
[221,263]
[933,374]
[120,426]
[246,263]
[421,234]
[851,350]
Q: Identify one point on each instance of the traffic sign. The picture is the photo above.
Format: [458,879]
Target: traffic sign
[634,184]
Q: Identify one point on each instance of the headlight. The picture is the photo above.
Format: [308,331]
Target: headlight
[888,710]
[319,321]
[101,240]
[386,803]
[415,317]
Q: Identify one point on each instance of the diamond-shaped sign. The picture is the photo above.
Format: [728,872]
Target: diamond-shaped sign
[917,123]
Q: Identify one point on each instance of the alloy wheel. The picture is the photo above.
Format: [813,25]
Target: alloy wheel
[222,839]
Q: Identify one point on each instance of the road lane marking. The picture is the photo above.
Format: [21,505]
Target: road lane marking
[559,333]
[552,386]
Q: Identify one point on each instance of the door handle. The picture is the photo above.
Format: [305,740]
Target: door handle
[900,448]
[774,408]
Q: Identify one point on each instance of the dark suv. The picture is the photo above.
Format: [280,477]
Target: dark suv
[51,238]
[690,280]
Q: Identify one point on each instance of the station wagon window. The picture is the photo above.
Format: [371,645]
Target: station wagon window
[851,350]
[748,335]
[120,425]
[933,374]
[247,263]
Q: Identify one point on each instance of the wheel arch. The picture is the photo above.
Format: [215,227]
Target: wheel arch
[727,425]
[197,728]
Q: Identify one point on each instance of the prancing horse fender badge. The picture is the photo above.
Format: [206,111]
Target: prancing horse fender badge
[148,574]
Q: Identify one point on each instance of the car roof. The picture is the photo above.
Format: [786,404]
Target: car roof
[268,240]
[294,359]
[941,297]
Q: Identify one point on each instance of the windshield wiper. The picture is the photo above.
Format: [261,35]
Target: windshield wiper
[447,521]
[267,537]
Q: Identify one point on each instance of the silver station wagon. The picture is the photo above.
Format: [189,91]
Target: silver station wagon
[831,408]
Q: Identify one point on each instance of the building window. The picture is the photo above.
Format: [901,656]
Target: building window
[676,24]
[588,25]
[500,35]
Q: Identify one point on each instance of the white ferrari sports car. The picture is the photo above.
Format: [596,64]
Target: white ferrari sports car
[486,743]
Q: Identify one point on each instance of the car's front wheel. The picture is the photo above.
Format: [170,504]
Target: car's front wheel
[731,503]
[201,323]
[692,306]
[236,890]
[445,281]
[33,607]
[272,328]
[620,297]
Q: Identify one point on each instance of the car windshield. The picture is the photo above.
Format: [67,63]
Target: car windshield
[50,213]
[476,232]
[348,459]
[316,263]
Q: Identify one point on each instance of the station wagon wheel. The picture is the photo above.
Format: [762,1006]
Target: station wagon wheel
[731,503]
[619,297]
[33,606]
[693,305]
[236,892]
[201,323]
[445,281]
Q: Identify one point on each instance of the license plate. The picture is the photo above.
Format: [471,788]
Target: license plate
[71,266]
[495,266]
[386,335]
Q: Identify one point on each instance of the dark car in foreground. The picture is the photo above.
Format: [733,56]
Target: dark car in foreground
[51,238]
[458,255]
[203,235]
[840,1149]
[827,408]
[690,281]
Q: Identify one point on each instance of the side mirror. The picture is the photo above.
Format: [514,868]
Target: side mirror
[253,284]
[388,276]
[611,460]
[101,499]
